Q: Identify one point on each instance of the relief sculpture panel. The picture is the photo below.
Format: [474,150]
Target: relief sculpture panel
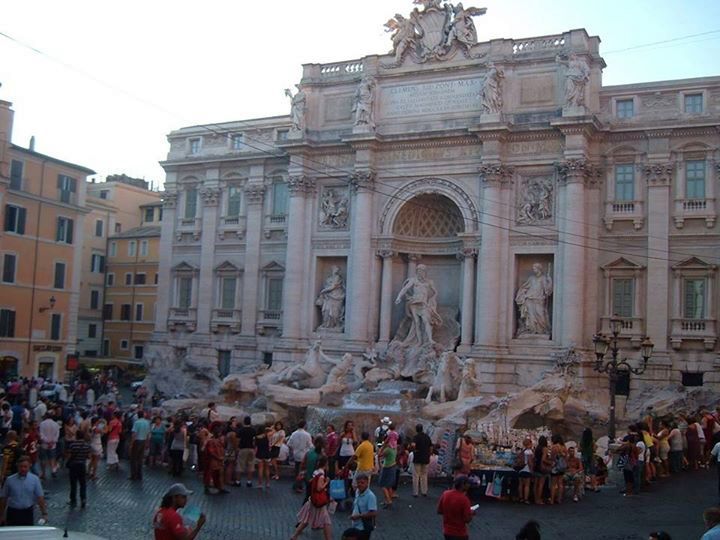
[535,200]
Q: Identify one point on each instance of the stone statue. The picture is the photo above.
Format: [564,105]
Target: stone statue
[576,78]
[338,378]
[427,4]
[447,377]
[532,299]
[332,301]
[404,35]
[333,209]
[491,99]
[536,204]
[363,106]
[463,27]
[309,374]
[470,383]
[421,306]
[298,104]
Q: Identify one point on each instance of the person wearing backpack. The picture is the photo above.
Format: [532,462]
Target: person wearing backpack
[524,463]
[558,454]
[314,513]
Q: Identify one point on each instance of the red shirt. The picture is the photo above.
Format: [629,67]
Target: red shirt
[30,445]
[168,525]
[115,427]
[454,506]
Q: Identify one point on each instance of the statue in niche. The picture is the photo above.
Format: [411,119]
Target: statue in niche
[298,104]
[404,33]
[333,209]
[536,204]
[421,306]
[532,299]
[363,106]
[576,78]
[491,97]
[331,301]
[462,27]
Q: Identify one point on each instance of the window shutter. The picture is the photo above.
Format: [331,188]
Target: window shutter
[102,264]
[689,299]
[59,230]
[22,213]
[60,181]
[69,231]
[73,185]
[8,217]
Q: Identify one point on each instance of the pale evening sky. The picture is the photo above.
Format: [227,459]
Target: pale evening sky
[216,61]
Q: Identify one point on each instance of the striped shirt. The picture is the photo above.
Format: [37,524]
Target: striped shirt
[79,452]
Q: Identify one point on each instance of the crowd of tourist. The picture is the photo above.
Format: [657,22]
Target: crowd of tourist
[45,425]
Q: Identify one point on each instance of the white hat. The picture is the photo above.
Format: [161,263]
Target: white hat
[178,489]
[386,420]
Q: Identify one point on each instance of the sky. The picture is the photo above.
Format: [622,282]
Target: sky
[116,77]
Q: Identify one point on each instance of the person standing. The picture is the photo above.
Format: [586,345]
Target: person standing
[49,436]
[97,428]
[78,453]
[167,523]
[587,454]
[157,441]
[388,454]
[309,465]
[454,507]
[246,451]
[10,454]
[364,456]
[262,446]
[526,473]
[214,472]
[711,517]
[178,443]
[332,445]
[31,446]
[20,493]
[114,430]
[421,448]
[715,456]
[315,510]
[299,443]
[364,511]
[140,439]
[277,440]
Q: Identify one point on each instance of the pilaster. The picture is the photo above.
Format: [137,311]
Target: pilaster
[467,256]
[167,228]
[210,197]
[386,299]
[254,197]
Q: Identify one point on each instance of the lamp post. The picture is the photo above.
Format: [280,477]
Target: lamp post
[614,366]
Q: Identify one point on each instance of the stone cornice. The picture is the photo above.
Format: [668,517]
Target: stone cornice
[363,179]
[659,174]
[495,173]
[300,184]
[411,145]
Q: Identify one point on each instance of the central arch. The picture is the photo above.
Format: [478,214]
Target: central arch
[429,216]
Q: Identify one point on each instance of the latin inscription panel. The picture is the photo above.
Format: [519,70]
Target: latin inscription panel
[442,97]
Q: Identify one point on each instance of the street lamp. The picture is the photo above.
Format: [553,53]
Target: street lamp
[614,366]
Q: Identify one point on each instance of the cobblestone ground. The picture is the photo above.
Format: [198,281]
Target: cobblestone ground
[119,509]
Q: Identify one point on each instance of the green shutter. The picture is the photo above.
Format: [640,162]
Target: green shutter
[228,293]
[623,297]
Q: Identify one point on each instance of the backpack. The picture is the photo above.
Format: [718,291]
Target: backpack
[318,497]
[519,461]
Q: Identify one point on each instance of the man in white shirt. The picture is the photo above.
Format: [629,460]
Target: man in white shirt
[639,471]
[300,442]
[715,453]
[49,435]
[40,411]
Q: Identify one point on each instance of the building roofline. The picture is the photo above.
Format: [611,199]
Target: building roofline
[53,159]
[697,81]
[241,124]
[143,231]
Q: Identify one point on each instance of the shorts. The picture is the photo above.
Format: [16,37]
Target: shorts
[246,458]
[574,477]
[156,448]
[47,453]
[525,474]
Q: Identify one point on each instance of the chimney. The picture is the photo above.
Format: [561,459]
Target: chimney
[32,144]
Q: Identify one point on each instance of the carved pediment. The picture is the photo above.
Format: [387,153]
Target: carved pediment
[184,267]
[228,267]
[622,264]
[693,263]
[273,266]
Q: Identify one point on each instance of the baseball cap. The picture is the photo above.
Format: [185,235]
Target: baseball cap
[178,489]
[386,420]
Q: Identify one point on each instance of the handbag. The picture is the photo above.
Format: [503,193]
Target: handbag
[318,497]
[497,485]
[337,489]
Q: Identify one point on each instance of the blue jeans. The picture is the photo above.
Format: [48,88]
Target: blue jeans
[638,471]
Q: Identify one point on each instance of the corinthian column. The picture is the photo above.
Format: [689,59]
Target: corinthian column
[489,268]
[254,194]
[167,231]
[298,186]
[467,255]
[360,267]
[210,197]
[386,299]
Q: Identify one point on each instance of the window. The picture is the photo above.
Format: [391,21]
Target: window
[694,298]
[282,134]
[149,215]
[125,312]
[107,312]
[94,299]
[92,331]
[138,351]
[110,280]
[59,279]
[228,286]
[624,108]
[97,263]
[139,312]
[143,248]
[106,347]
[64,230]
[124,345]
[128,278]
[224,358]
[113,249]
[279,199]
[693,103]
[160,213]
[140,279]
[156,278]
[191,203]
[268,358]
[622,291]
[99,228]
[15,219]
[194,146]
[234,199]
[8,270]
[622,384]
[16,174]
[118,228]
[692,379]
[238,141]
[55,326]
[104,193]
[7,323]
[695,179]
[624,182]
[66,186]
[185,292]
[274,294]
[132,248]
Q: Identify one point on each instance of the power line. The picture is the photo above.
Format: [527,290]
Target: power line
[671,40]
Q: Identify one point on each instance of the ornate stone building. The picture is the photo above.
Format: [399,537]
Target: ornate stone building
[539,202]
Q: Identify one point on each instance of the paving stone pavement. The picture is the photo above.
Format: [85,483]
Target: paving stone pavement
[119,509]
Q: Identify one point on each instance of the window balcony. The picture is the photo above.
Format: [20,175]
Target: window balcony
[624,211]
[188,226]
[182,319]
[269,319]
[275,223]
[226,319]
[695,209]
[632,328]
[232,226]
[704,330]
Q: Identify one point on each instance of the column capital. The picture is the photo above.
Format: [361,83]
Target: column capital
[466,253]
[573,171]
[169,199]
[254,193]
[414,257]
[210,196]
[659,174]
[386,253]
[300,184]
[363,179]
[495,173]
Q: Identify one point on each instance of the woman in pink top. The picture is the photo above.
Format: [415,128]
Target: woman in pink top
[114,430]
